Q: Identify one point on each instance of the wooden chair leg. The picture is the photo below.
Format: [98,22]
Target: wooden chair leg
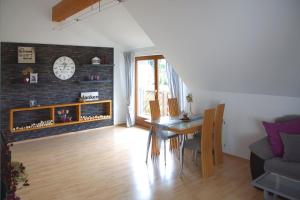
[173,144]
[218,154]
[207,164]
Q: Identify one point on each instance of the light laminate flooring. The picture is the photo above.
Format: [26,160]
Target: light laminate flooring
[109,163]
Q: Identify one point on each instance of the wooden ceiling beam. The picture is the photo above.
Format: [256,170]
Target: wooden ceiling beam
[67,8]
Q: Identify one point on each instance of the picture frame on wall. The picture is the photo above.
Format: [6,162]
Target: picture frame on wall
[26,55]
[89,96]
[33,77]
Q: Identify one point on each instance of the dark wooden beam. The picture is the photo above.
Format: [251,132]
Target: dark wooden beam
[67,8]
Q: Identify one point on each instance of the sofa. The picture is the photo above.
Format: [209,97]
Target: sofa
[262,158]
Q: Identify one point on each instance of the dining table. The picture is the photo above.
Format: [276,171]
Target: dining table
[176,125]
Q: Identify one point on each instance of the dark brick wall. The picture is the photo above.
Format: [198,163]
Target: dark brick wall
[49,89]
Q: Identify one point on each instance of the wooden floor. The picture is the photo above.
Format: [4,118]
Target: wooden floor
[109,163]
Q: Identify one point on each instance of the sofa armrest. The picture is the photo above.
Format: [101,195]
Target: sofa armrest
[262,149]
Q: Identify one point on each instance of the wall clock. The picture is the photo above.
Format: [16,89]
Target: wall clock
[64,68]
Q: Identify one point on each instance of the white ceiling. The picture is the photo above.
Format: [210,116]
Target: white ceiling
[250,46]
[112,26]
[119,26]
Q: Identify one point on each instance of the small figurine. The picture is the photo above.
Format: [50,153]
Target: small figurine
[96,61]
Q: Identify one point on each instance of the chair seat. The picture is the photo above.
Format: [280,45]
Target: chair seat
[193,144]
[163,134]
[197,135]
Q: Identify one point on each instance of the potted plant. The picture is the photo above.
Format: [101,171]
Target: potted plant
[13,175]
[18,179]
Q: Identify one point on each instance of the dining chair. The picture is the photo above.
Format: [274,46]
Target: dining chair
[204,144]
[174,111]
[159,133]
[173,107]
[193,144]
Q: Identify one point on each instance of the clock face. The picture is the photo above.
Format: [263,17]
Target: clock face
[64,68]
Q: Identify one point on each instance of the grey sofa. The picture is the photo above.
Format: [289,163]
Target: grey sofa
[263,160]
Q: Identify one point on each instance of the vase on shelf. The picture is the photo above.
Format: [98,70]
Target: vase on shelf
[63,117]
[189,99]
[190,113]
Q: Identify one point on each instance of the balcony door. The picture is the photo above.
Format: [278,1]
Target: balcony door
[151,84]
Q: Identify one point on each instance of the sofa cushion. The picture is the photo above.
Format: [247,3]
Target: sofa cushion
[286,118]
[262,149]
[273,130]
[291,145]
[279,166]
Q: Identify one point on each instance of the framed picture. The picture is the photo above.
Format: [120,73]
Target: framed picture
[33,77]
[26,55]
[89,96]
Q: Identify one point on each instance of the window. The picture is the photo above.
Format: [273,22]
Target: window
[151,84]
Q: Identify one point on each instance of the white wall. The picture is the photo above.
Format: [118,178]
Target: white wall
[243,53]
[30,21]
[243,115]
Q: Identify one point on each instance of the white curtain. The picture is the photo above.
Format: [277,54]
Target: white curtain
[129,87]
[177,87]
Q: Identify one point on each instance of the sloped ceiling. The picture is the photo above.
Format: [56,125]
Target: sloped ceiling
[113,26]
[119,26]
[250,46]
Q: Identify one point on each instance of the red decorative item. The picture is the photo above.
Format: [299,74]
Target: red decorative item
[26,78]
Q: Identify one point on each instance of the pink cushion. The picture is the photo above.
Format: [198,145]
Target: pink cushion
[273,130]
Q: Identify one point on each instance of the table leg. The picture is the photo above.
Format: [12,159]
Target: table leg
[179,140]
[165,152]
[266,195]
[181,154]
[148,143]
[269,196]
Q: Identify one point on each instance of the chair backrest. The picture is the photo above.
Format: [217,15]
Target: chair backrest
[154,110]
[173,107]
[207,143]
[218,122]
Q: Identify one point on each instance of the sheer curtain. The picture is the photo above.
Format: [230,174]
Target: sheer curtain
[177,87]
[129,87]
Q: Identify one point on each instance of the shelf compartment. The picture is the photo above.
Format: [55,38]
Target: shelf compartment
[92,110]
[106,109]
[31,129]
[27,119]
[72,113]
[59,124]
